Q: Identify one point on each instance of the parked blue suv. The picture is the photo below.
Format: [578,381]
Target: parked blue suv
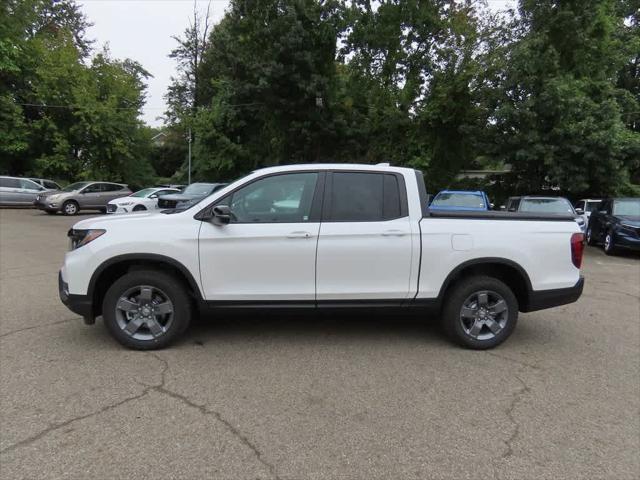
[460,200]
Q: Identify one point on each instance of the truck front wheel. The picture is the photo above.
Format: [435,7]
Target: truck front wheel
[146,309]
[480,312]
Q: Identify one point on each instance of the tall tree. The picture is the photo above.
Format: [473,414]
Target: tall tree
[560,122]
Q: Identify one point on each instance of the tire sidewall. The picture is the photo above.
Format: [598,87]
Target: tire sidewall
[589,236]
[455,299]
[609,248]
[171,287]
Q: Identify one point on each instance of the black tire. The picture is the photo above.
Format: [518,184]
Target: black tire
[455,300]
[590,239]
[174,290]
[609,243]
[139,208]
[70,207]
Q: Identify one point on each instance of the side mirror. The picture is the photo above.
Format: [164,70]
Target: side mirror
[579,211]
[221,215]
[153,196]
[492,206]
[503,208]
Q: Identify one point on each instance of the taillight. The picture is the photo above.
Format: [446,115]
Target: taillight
[577,248]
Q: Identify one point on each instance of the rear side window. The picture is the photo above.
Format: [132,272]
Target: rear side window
[9,182]
[29,185]
[363,197]
[110,187]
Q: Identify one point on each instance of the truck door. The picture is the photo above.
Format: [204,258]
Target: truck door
[365,244]
[267,252]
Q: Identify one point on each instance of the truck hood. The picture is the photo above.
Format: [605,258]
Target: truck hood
[118,220]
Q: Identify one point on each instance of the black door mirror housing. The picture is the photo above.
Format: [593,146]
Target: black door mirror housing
[221,215]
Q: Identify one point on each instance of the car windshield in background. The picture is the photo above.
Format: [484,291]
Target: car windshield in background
[458,200]
[143,193]
[75,186]
[198,189]
[592,206]
[627,207]
[546,205]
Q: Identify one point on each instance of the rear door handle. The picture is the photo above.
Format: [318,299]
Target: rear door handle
[299,235]
[393,233]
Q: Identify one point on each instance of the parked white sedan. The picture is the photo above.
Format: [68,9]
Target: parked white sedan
[145,199]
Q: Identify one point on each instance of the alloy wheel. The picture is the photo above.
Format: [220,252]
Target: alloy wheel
[144,312]
[484,314]
[70,208]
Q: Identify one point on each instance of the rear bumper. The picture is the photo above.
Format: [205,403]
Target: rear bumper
[79,304]
[541,299]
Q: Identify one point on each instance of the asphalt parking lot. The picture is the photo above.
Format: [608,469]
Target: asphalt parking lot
[314,397]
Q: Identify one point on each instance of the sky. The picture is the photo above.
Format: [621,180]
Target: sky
[142,30]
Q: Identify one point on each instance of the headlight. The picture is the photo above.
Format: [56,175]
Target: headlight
[79,238]
[53,197]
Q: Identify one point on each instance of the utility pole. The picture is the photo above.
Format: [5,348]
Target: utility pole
[189,181]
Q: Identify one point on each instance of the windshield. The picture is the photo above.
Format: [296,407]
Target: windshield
[143,193]
[628,207]
[592,206]
[198,189]
[75,186]
[546,205]
[472,200]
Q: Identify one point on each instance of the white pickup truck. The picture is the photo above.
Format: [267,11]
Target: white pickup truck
[320,236]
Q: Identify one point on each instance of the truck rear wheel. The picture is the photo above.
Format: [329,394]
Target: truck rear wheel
[480,312]
[146,309]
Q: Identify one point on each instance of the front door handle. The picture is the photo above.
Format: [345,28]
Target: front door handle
[299,235]
[393,233]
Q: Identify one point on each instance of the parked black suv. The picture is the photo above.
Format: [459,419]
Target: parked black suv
[616,224]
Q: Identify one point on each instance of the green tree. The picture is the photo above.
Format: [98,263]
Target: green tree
[560,121]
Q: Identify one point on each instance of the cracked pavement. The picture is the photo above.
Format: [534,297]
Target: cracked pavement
[302,396]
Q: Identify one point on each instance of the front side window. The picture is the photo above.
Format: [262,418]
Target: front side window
[364,197]
[95,188]
[277,199]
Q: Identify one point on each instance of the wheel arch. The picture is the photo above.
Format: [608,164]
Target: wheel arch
[112,269]
[508,271]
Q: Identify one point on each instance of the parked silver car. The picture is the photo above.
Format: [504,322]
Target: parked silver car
[48,184]
[15,191]
[81,196]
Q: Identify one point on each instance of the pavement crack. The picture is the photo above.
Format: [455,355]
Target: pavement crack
[517,398]
[57,426]
[12,332]
[162,389]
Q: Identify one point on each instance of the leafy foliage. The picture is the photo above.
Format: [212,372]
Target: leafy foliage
[63,115]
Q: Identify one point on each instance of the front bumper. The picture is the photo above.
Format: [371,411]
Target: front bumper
[627,240]
[79,304]
[541,299]
[44,204]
